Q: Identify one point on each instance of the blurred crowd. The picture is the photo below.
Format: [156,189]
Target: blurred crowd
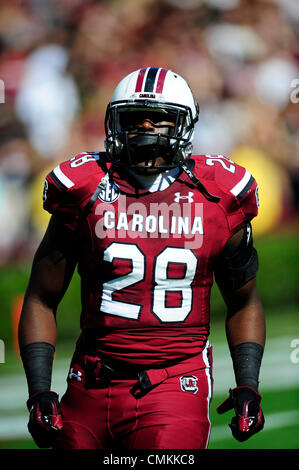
[61,59]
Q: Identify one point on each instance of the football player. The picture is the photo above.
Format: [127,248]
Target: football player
[149,226]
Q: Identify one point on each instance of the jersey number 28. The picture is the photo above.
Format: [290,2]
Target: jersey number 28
[162,283]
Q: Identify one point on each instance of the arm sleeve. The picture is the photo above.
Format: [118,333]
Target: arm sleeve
[237,264]
[242,201]
[248,197]
[58,198]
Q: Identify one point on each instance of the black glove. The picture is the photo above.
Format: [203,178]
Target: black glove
[249,417]
[45,420]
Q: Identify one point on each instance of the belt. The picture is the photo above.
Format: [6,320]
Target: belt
[99,372]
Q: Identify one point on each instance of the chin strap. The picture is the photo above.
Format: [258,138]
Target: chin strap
[199,184]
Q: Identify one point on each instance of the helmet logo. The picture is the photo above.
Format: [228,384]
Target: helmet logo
[147,95]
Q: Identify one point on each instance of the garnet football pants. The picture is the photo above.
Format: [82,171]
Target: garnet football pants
[172,415]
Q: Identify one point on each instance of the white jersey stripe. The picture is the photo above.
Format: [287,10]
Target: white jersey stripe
[241,185]
[210,385]
[62,177]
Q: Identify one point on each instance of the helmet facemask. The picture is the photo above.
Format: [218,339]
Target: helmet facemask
[128,145]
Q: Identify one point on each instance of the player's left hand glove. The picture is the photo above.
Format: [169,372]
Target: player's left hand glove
[45,420]
[249,417]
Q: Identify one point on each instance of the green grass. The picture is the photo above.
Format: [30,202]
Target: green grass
[283,437]
[18,444]
[277,401]
[278,274]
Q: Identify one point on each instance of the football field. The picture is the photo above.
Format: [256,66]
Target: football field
[279,387]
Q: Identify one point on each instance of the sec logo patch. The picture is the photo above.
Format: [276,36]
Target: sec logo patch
[110,193]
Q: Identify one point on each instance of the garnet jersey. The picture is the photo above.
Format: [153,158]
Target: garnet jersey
[146,259]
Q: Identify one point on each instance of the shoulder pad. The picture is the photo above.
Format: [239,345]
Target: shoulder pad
[238,187]
[69,186]
[72,173]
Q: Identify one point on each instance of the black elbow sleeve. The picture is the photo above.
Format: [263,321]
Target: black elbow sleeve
[236,267]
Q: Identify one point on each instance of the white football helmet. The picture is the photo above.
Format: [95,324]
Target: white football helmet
[157,94]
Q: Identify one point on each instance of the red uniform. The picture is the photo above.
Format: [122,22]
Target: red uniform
[146,263]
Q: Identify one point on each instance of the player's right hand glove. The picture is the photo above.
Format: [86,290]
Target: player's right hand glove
[45,420]
[249,417]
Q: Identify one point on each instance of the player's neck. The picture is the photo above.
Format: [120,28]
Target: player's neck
[157,182]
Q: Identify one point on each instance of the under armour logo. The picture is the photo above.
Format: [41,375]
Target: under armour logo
[74,375]
[178,197]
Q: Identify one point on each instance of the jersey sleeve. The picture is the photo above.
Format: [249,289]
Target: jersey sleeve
[69,186]
[238,187]
[58,199]
[246,192]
